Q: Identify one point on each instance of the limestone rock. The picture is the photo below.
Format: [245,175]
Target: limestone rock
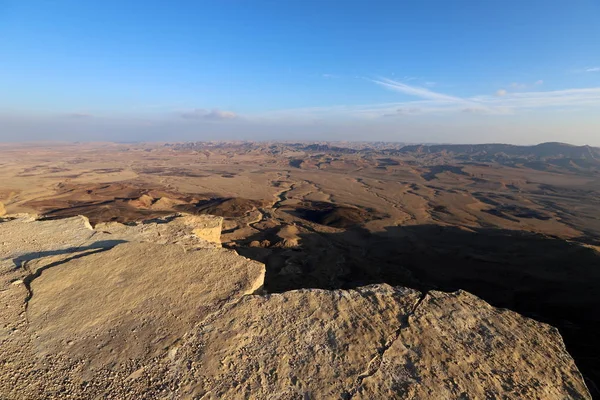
[191,231]
[87,313]
[135,300]
[151,310]
[288,236]
[299,344]
[144,201]
[166,203]
[457,346]
[378,342]
[23,238]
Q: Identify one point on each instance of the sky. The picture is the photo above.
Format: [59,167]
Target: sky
[427,71]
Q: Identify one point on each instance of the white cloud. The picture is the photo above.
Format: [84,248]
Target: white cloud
[415,90]
[584,70]
[523,86]
[556,98]
[215,115]
[501,103]
[220,114]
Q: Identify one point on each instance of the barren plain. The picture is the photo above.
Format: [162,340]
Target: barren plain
[519,227]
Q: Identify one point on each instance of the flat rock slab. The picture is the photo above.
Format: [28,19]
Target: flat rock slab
[191,231]
[304,344]
[456,346]
[377,342]
[23,238]
[135,300]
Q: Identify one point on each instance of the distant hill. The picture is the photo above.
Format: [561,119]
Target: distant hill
[325,148]
[540,151]
[544,156]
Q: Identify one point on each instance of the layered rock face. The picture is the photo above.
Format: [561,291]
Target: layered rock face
[159,310]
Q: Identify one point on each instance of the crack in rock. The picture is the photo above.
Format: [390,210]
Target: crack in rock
[375,362]
[81,252]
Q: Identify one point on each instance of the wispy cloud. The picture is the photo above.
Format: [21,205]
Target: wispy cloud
[443,100]
[584,70]
[541,99]
[502,103]
[433,103]
[214,115]
[415,90]
[523,86]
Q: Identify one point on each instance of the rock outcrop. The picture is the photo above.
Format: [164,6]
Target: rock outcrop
[159,310]
[456,346]
[192,231]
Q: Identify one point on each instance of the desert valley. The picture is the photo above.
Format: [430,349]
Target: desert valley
[299,270]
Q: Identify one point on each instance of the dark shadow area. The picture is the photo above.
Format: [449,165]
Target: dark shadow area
[548,279]
[34,275]
[159,220]
[296,163]
[514,213]
[222,206]
[71,253]
[127,210]
[438,169]
[107,211]
[335,215]
[97,245]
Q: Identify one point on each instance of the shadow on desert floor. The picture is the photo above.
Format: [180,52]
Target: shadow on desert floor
[548,279]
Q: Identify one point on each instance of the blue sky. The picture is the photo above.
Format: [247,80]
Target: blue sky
[417,71]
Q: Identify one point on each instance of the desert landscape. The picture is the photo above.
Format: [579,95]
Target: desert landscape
[411,248]
[300,200]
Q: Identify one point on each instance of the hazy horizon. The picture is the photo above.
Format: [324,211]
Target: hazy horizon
[413,72]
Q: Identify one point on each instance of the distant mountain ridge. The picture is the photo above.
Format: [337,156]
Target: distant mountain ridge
[550,156]
[540,151]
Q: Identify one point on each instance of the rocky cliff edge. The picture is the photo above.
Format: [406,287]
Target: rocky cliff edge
[159,310]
